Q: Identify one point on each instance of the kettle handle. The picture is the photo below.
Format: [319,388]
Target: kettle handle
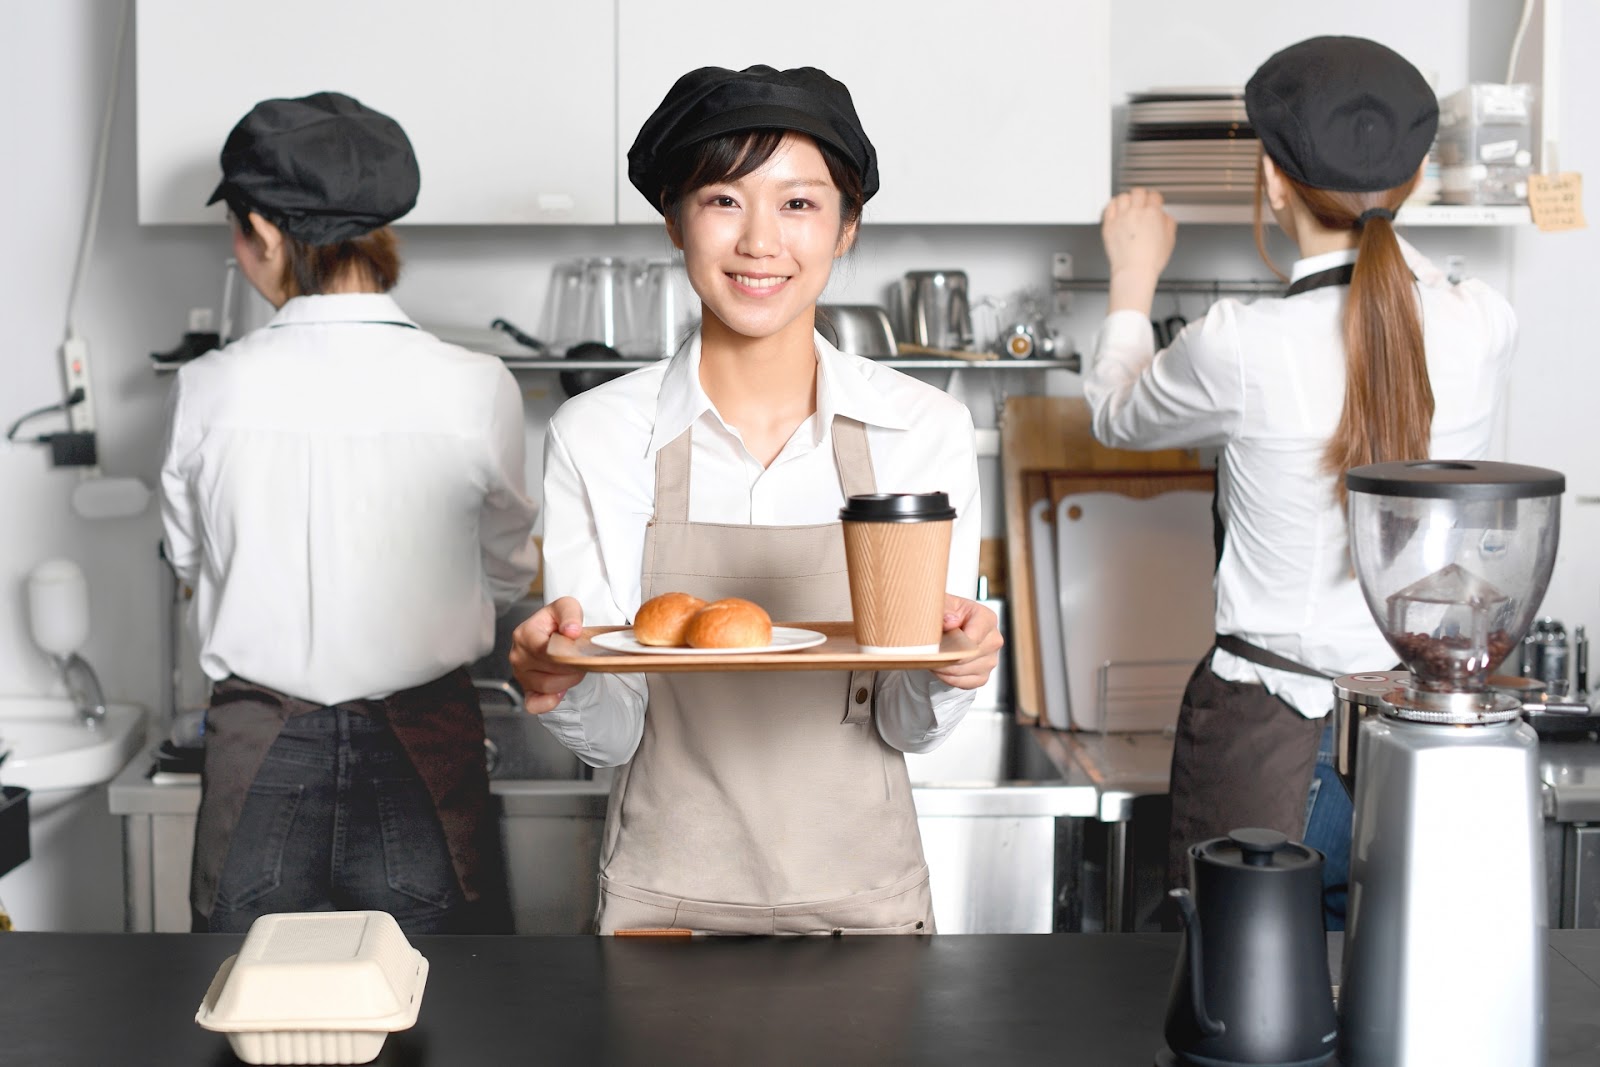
[1191,925]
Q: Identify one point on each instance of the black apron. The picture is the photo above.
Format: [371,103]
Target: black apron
[438,724]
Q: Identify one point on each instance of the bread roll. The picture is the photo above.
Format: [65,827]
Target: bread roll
[730,623]
[662,619]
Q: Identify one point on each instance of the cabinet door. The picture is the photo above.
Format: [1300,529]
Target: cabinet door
[981,113]
[511,107]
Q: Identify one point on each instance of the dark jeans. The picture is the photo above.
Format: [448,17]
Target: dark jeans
[1329,813]
[338,820]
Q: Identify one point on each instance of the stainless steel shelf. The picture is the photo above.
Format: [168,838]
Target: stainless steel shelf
[1220,287]
[534,364]
[1410,214]
[898,362]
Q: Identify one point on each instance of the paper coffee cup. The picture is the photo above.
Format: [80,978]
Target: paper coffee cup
[897,551]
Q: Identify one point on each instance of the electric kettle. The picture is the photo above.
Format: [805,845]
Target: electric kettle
[1251,986]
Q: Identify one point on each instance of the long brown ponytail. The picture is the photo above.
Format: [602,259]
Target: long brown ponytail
[1388,400]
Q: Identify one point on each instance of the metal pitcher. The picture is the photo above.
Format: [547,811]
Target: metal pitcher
[937,314]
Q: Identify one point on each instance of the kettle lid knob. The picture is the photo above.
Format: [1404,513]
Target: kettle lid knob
[1257,846]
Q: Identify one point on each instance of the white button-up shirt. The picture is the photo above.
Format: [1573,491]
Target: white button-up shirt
[599,495]
[1265,381]
[346,495]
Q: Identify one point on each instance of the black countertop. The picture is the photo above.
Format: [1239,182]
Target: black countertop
[1097,1000]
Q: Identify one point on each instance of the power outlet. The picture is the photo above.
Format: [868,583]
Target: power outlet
[1061,271]
[75,375]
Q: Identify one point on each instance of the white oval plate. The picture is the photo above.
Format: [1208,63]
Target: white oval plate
[784,639]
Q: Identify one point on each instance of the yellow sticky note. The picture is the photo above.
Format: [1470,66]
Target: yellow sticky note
[1556,201]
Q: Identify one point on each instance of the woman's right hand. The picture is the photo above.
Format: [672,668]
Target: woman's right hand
[1139,237]
[544,682]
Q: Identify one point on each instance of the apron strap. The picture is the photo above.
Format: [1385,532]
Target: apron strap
[852,457]
[672,479]
[1261,657]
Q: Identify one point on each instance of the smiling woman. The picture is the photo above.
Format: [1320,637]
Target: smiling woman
[744,805]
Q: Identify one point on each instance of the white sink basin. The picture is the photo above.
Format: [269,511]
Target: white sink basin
[55,755]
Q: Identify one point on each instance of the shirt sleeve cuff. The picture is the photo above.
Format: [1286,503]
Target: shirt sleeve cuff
[579,722]
[916,711]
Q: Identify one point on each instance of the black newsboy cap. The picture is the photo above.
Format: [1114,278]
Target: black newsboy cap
[712,101]
[1343,113]
[323,168]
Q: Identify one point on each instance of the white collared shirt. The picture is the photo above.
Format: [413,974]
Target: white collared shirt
[599,494]
[1265,381]
[346,495]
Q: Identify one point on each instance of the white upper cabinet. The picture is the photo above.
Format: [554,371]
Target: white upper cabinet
[511,106]
[993,112]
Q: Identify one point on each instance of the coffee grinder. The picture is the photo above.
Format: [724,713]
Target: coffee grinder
[1444,953]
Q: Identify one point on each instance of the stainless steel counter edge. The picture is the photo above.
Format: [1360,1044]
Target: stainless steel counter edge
[1075,796]
[946,800]
[1570,775]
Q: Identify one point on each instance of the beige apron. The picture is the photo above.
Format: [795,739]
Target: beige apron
[757,802]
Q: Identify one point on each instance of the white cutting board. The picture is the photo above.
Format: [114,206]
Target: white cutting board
[1052,668]
[1135,607]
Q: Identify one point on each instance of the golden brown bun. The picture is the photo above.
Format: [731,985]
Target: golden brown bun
[730,623]
[662,619]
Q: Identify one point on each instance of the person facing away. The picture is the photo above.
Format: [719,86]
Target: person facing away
[1371,355]
[756,803]
[346,495]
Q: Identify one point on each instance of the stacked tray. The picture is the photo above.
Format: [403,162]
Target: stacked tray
[1194,144]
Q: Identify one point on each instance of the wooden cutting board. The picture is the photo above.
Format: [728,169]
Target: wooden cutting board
[1041,434]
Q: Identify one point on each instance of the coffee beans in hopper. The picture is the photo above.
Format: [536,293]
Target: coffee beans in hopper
[1446,660]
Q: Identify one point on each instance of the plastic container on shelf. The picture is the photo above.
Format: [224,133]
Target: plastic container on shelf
[1487,104]
[1495,144]
[316,987]
[1483,184]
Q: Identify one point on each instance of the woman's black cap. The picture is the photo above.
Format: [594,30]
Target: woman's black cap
[1343,113]
[713,101]
[323,168]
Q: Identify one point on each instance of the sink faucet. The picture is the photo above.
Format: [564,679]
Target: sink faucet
[84,686]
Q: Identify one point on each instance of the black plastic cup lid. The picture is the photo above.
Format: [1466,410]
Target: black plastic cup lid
[897,507]
[1456,479]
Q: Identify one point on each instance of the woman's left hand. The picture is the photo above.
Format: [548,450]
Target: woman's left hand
[980,624]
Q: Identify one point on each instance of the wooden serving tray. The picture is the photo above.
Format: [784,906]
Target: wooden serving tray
[838,653]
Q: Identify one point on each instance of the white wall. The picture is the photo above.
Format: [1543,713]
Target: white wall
[1557,376]
[53,62]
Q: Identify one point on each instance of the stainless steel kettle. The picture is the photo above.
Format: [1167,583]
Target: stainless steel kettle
[1251,986]
[935,307]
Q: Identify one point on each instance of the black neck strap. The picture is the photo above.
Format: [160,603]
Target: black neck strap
[1339,275]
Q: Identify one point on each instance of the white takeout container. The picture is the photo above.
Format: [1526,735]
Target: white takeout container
[316,987]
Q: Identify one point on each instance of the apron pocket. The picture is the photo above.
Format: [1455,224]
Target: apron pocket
[254,863]
[416,860]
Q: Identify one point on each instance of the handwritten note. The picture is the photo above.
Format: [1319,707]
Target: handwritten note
[1556,201]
